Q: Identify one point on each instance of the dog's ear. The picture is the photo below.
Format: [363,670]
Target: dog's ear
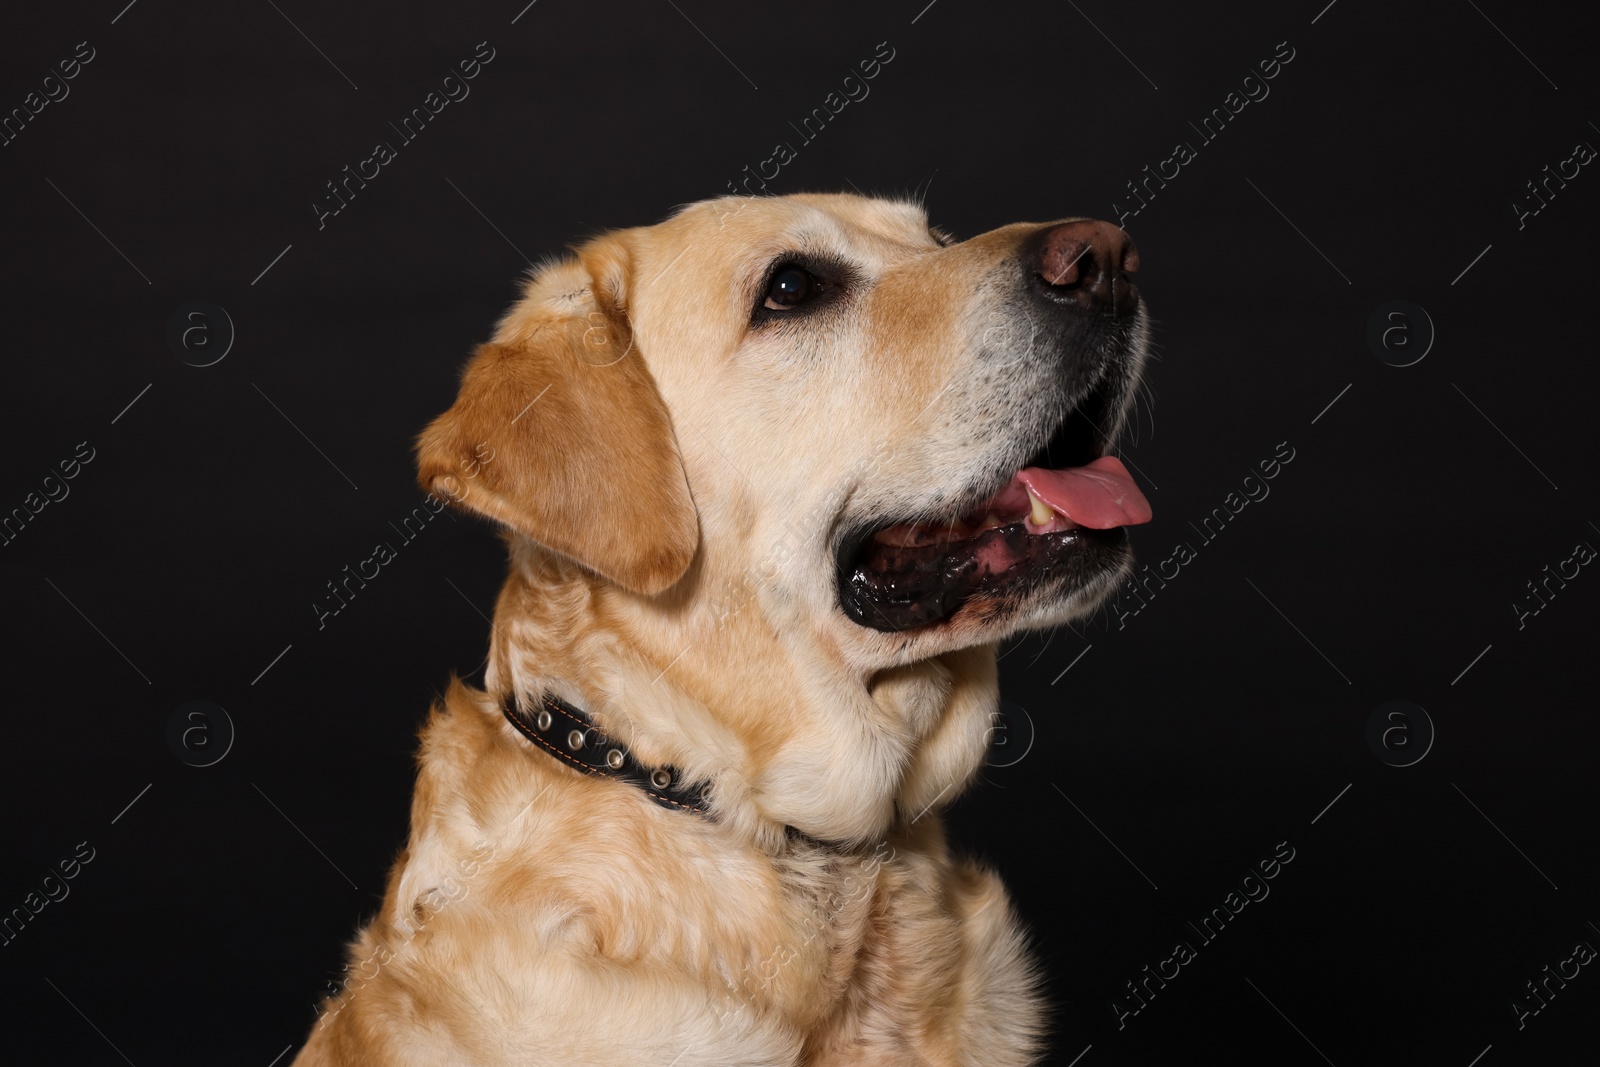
[560,433]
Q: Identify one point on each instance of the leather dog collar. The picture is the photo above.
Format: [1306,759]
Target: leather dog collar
[568,734]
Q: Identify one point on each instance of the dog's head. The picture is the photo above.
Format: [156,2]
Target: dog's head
[859,418]
[781,472]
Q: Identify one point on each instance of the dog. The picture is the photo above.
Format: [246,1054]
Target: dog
[776,476]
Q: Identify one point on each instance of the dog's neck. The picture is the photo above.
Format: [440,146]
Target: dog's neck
[787,732]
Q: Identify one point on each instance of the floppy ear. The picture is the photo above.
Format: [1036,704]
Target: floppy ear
[560,433]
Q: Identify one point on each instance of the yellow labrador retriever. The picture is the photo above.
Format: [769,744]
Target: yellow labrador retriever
[776,476]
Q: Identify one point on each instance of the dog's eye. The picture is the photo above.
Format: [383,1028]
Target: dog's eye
[790,287]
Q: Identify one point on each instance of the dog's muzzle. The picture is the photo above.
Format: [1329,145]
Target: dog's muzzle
[1055,524]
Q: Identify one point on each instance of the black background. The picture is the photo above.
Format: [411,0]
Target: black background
[1191,738]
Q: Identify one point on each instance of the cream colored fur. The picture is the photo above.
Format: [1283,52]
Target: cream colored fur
[670,479]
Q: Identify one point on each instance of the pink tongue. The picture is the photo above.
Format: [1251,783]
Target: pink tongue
[1100,495]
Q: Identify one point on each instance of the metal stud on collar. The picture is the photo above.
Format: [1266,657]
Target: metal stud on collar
[594,753]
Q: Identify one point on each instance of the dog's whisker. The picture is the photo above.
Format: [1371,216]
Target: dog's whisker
[1145,398]
[1048,638]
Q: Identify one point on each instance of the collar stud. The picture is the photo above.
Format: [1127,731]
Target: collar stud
[605,760]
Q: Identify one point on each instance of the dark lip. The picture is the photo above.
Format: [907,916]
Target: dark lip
[1081,436]
[1083,554]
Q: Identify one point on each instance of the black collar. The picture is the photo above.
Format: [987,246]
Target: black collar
[568,734]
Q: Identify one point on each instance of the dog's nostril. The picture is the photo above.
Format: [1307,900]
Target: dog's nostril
[1088,260]
[1061,260]
[1130,255]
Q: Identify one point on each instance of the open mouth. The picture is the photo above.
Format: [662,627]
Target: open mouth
[1059,518]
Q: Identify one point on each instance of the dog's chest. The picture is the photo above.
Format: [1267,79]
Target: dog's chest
[825,916]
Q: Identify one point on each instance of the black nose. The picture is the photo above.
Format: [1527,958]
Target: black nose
[1086,263]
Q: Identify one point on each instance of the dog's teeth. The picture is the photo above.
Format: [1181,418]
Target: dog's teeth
[1042,512]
